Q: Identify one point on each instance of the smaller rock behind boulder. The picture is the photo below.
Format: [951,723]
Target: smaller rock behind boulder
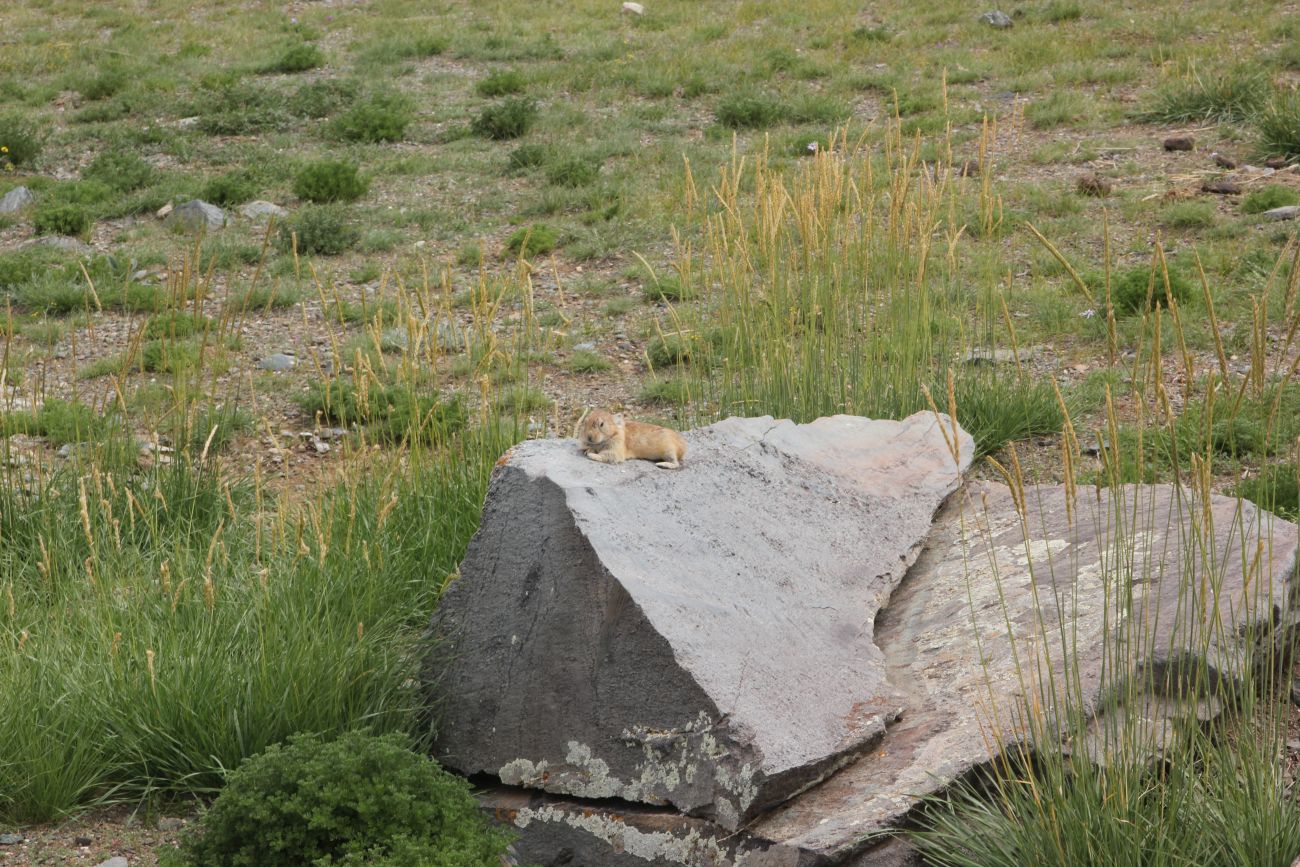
[196,215]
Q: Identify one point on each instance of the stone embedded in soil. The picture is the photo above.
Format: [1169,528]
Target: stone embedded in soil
[971,615]
[1180,143]
[170,823]
[58,242]
[11,839]
[196,215]
[1286,212]
[15,200]
[1221,187]
[1093,184]
[263,211]
[278,361]
[996,18]
[117,861]
[699,637]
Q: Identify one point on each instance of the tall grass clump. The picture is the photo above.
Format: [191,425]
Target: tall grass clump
[1231,97]
[163,617]
[1138,719]
[835,294]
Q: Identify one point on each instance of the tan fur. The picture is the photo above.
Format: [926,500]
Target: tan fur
[610,439]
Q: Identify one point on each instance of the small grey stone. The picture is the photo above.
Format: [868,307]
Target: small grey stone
[65,450]
[11,839]
[170,823]
[991,356]
[263,211]
[16,199]
[1286,212]
[278,361]
[58,242]
[188,122]
[996,18]
[117,861]
[584,347]
[196,215]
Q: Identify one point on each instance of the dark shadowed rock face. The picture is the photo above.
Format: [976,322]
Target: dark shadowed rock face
[701,638]
[766,634]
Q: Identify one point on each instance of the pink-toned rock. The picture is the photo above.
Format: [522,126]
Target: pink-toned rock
[702,637]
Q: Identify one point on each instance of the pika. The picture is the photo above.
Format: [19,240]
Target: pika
[608,438]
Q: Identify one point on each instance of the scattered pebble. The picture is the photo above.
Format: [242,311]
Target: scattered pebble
[996,18]
[584,347]
[170,823]
[1180,143]
[278,361]
[117,861]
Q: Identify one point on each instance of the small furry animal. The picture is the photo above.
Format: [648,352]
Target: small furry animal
[608,438]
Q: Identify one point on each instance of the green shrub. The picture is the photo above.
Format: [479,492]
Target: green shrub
[262,298]
[1276,488]
[535,240]
[232,108]
[1268,197]
[382,117]
[1188,215]
[529,156]
[358,800]
[322,98]
[396,49]
[749,111]
[231,188]
[59,421]
[510,118]
[72,220]
[586,361]
[1131,290]
[21,140]
[323,229]
[103,84]
[214,427]
[501,82]
[666,288]
[176,324]
[573,171]
[666,391]
[120,171]
[297,58]
[666,350]
[391,413]
[87,192]
[329,181]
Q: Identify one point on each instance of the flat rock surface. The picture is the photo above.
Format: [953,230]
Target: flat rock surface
[701,637]
[968,637]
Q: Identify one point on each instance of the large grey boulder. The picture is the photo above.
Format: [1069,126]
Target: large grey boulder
[702,638]
[1013,602]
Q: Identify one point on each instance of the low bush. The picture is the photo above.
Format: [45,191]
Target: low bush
[749,111]
[231,188]
[529,156]
[1268,197]
[323,229]
[329,181]
[378,118]
[322,98]
[536,240]
[53,219]
[358,800]
[1138,289]
[299,57]
[390,413]
[120,171]
[501,82]
[1231,98]
[21,140]
[573,171]
[510,118]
